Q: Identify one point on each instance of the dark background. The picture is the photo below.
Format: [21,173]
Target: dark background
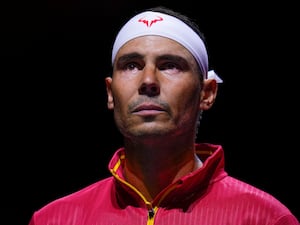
[58,135]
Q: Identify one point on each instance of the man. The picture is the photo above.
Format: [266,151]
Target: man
[158,90]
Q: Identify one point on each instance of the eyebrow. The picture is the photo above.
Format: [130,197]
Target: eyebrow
[136,55]
[129,57]
[174,58]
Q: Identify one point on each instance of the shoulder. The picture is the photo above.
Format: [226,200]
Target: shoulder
[81,202]
[90,191]
[247,192]
[257,203]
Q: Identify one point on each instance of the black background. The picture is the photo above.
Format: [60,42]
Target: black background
[58,135]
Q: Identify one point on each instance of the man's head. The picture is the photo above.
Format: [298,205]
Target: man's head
[160,79]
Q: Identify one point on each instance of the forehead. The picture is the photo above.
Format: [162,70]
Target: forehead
[152,44]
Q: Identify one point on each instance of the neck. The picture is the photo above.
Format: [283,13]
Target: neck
[152,167]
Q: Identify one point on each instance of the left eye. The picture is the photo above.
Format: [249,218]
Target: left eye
[170,68]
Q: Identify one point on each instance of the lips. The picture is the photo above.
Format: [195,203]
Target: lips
[148,110]
[148,107]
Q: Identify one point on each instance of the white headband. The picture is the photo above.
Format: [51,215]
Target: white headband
[155,23]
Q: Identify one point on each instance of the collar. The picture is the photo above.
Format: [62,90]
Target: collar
[179,194]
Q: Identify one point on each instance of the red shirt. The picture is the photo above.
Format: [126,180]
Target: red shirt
[207,196]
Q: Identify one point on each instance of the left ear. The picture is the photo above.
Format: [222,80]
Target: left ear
[208,94]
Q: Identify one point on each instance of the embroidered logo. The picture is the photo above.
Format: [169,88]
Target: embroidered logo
[150,20]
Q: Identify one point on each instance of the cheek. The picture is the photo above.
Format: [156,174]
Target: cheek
[120,110]
[121,95]
[119,101]
[185,94]
[185,103]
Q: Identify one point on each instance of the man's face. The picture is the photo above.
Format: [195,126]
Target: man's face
[155,88]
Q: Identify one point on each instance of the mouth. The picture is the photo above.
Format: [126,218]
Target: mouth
[148,110]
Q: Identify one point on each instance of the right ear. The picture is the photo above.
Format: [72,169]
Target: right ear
[110,98]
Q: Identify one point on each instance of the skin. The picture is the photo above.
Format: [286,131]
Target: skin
[156,95]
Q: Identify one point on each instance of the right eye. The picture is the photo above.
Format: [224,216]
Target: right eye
[131,67]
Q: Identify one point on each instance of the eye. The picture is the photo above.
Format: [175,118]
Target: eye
[131,67]
[170,67]
[130,62]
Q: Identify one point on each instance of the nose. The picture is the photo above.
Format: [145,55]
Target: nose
[149,89]
[150,85]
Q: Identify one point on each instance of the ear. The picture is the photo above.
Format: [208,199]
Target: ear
[110,98]
[208,94]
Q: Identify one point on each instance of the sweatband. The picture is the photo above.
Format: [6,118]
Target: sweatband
[156,23]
